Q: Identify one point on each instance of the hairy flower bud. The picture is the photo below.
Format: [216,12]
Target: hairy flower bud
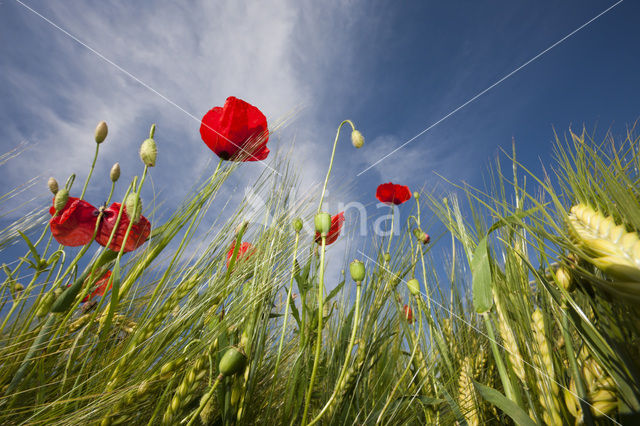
[115,172]
[414,286]
[357,139]
[356,268]
[149,150]
[53,185]
[60,200]
[297,224]
[323,223]
[133,207]
[416,195]
[101,132]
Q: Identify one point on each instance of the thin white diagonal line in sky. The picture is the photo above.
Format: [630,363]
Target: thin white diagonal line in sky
[492,86]
[145,85]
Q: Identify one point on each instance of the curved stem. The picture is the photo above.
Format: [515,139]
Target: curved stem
[319,331]
[333,153]
[93,165]
[347,358]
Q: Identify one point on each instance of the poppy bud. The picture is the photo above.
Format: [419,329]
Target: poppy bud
[115,172]
[387,257]
[357,271]
[421,236]
[416,195]
[232,362]
[101,132]
[53,185]
[414,286]
[133,207]
[60,200]
[357,139]
[17,288]
[297,225]
[323,223]
[149,152]
[242,227]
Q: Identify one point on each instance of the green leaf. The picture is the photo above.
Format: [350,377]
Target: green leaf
[335,291]
[32,248]
[294,311]
[481,273]
[510,408]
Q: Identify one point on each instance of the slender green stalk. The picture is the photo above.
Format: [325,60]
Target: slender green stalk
[333,153]
[286,308]
[345,365]
[93,166]
[406,370]
[316,360]
[205,399]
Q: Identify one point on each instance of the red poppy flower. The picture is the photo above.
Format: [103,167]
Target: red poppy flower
[75,224]
[408,314]
[101,287]
[137,236]
[236,132]
[245,249]
[334,230]
[390,193]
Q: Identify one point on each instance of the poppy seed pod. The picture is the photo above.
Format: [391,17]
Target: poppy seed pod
[232,362]
[60,200]
[357,139]
[297,225]
[323,223]
[53,185]
[414,286]
[356,268]
[115,172]
[101,132]
[133,207]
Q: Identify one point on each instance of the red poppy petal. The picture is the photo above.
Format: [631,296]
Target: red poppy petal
[236,132]
[75,223]
[390,193]
[245,248]
[137,236]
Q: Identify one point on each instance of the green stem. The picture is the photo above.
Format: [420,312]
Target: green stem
[393,212]
[205,399]
[286,308]
[316,360]
[406,370]
[333,153]
[502,370]
[575,370]
[347,358]
[93,165]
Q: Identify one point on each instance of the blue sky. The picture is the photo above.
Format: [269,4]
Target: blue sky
[395,68]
